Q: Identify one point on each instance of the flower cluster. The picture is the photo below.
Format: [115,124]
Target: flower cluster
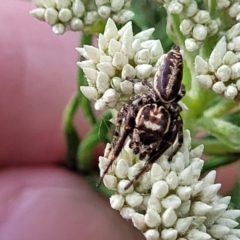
[197,24]
[76,15]
[221,72]
[115,68]
[170,202]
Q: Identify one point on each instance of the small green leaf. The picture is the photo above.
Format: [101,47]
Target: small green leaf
[225,132]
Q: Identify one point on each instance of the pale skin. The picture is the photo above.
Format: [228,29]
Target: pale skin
[40,199]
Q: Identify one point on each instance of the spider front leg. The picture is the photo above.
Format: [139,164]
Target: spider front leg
[127,119]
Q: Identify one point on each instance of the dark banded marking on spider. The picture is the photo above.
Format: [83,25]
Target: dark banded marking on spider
[152,121]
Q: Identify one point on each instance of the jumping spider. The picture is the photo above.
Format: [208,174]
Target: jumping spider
[152,121]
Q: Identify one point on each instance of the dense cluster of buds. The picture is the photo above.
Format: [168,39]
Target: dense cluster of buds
[114,68]
[170,201]
[76,15]
[221,72]
[196,25]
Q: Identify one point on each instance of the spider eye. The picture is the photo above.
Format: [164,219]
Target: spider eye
[168,79]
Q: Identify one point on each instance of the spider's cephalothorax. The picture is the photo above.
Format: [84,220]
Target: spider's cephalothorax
[152,121]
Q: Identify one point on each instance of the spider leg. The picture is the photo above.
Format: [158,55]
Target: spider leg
[119,140]
[167,141]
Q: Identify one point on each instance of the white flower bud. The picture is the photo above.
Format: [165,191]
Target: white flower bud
[171,201]
[169,217]
[100,105]
[223,73]
[234,44]
[191,9]
[209,192]
[160,189]
[136,45]
[117,5]
[65,14]
[110,182]
[127,39]
[119,60]
[199,32]
[90,17]
[227,222]
[157,173]
[219,87]
[152,234]
[186,176]
[116,201]
[217,54]
[124,28]
[114,46]
[184,208]
[127,213]
[183,224]
[111,30]
[152,218]
[91,75]
[51,16]
[231,92]
[184,193]
[198,235]
[230,58]
[175,7]
[138,221]
[38,13]
[134,199]
[209,178]
[63,3]
[58,29]
[38,3]
[126,87]
[49,3]
[156,51]
[233,32]
[141,57]
[78,8]
[154,203]
[139,88]
[191,44]
[121,187]
[234,10]
[221,4]
[202,17]
[200,208]
[104,11]
[212,27]
[232,214]
[205,81]
[105,58]
[235,70]
[217,231]
[144,35]
[89,92]
[178,163]
[186,26]
[107,68]
[128,72]
[102,82]
[172,180]
[93,53]
[123,16]
[169,234]
[197,151]
[116,83]
[143,71]
[102,42]
[76,24]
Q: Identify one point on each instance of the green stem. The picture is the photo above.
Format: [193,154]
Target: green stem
[71,136]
